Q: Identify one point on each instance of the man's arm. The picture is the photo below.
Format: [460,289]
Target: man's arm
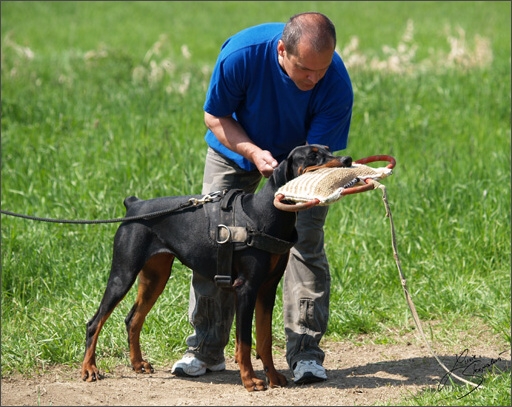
[231,134]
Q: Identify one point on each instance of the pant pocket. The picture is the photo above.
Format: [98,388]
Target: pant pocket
[306,314]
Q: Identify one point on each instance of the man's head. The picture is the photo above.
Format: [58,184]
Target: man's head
[306,48]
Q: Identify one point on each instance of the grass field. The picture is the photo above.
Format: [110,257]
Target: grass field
[102,100]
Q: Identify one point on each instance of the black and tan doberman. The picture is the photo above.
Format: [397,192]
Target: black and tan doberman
[239,240]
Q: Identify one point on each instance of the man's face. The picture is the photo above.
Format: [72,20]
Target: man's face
[307,67]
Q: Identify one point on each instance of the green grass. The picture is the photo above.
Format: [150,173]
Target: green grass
[85,124]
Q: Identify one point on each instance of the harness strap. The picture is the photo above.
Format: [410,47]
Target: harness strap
[254,238]
[224,239]
[269,243]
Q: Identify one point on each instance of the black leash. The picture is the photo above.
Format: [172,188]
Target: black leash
[90,222]
[191,201]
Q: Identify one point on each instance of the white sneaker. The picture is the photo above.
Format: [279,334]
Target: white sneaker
[191,366]
[308,371]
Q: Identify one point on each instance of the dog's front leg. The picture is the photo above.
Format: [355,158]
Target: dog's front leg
[264,307]
[264,345]
[244,314]
[249,378]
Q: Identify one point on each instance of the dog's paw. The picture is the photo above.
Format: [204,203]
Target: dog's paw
[143,367]
[255,384]
[279,380]
[91,374]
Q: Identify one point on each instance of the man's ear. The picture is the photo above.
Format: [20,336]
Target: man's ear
[280,48]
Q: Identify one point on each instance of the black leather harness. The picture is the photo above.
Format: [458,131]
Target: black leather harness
[232,229]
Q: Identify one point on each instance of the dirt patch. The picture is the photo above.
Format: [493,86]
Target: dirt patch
[360,373]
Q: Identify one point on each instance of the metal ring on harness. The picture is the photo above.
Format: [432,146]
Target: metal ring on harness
[227,239]
[347,191]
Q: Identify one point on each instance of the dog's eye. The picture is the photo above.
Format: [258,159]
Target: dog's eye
[313,155]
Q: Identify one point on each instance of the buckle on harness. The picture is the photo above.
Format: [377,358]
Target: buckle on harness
[222,281]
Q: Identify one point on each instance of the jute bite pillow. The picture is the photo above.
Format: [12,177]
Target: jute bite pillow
[327,184]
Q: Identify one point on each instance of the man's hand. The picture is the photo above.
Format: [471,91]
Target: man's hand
[231,134]
[265,162]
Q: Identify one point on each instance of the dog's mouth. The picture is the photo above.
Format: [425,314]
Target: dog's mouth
[344,161]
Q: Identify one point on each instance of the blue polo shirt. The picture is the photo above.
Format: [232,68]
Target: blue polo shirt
[248,83]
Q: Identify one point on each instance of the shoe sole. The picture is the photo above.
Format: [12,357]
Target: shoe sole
[181,373]
[216,369]
[309,377]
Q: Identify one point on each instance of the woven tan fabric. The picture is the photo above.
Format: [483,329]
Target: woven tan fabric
[327,184]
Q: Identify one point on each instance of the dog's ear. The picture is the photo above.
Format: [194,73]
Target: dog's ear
[291,167]
[297,161]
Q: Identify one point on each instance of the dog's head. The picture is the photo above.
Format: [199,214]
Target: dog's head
[312,157]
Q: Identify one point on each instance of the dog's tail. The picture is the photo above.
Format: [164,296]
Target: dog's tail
[129,201]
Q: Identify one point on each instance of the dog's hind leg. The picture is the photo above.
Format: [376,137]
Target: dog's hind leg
[118,285]
[152,280]
[89,371]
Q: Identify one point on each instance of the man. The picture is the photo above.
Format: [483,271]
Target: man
[274,87]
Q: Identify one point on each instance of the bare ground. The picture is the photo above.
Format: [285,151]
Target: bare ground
[360,373]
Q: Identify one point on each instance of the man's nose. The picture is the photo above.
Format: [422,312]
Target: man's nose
[314,77]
